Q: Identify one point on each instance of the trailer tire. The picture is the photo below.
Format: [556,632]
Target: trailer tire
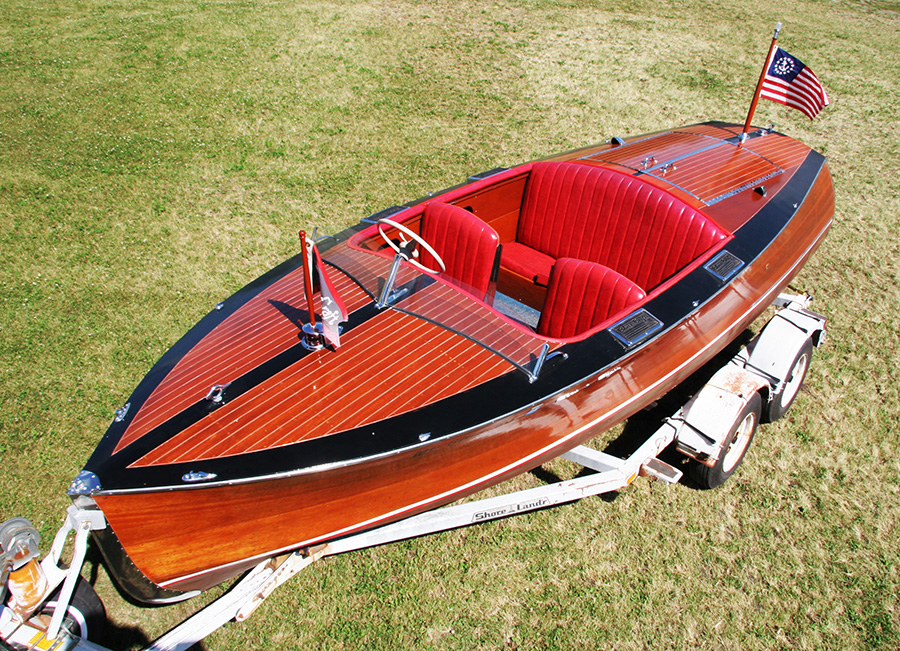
[85,615]
[782,400]
[734,448]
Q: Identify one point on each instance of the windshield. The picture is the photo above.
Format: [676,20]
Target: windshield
[419,294]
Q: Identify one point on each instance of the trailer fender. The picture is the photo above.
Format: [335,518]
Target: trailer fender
[707,417]
[772,353]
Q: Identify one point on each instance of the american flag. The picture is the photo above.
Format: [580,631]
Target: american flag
[789,82]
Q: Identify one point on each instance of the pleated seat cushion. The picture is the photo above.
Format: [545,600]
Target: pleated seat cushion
[467,245]
[591,213]
[582,295]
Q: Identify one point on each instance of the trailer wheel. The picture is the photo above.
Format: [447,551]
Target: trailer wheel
[84,616]
[735,447]
[782,400]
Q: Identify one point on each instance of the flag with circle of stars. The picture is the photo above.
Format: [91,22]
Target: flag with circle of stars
[789,82]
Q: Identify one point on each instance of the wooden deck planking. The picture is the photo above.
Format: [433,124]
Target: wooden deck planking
[717,171]
[252,335]
[710,174]
[211,437]
[270,415]
[446,305]
[784,152]
[662,147]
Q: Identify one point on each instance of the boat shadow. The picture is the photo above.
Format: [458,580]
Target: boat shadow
[295,315]
[642,424]
[114,634]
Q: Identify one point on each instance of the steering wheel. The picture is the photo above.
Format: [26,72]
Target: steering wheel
[414,236]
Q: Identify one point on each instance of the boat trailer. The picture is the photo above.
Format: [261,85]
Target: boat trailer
[714,429]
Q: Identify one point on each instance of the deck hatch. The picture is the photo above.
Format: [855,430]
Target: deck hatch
[707,168]
[635,327]
[724,265]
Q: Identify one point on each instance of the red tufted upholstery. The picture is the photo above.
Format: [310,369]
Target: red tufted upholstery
[592,213]
[583,294]
[466,244]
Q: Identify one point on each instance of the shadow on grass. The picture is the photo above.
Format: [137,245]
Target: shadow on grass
[115,635]
[644,423]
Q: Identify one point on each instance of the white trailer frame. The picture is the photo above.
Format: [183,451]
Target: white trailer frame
[692,428]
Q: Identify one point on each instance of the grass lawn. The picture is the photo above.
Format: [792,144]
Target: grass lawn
[156,156]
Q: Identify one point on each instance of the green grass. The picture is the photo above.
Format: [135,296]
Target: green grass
[156,156]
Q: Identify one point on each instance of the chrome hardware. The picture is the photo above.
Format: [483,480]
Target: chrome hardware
[635,327]
[217,393]
[483,175]
[198,475]
[219,306]
[19,542]
[388,295]
[424,437]
[397,295]
[121,412]
[668,167]
[724,265]
[544,356]
[86,483]
[660,470]
[312,339]
[534,373]
[648,162]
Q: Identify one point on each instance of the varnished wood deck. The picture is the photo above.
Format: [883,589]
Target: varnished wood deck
[328,391]
[706,167]
[268,325]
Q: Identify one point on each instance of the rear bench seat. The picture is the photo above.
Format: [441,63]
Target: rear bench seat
[590,213]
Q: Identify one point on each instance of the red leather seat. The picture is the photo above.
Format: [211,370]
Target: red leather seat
[467,245]
[573,210]
[582,295]
[528,262]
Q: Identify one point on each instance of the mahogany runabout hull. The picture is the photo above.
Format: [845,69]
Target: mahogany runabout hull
[437,392]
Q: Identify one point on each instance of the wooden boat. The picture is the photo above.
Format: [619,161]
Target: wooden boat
[570,293]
